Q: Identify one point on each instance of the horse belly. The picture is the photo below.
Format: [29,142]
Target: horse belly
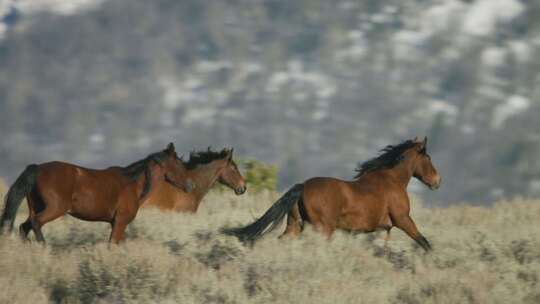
[362,220]
[355,222]
[89,211]
[92,205]
[85,216]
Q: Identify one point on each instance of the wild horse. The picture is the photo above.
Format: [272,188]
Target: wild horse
[111,195]
[376,199]
[204,168]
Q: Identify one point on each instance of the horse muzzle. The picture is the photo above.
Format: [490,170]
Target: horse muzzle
[436,185]
[240,190]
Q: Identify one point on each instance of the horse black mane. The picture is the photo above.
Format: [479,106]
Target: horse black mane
[197,158]
[390,157]
[139,167]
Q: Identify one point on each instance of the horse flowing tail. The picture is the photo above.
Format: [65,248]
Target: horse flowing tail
[270,219]
[22,186]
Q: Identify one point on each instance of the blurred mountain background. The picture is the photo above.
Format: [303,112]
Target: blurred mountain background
[312,86]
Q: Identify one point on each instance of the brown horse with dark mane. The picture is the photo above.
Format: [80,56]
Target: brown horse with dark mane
[375,200]
[204,168]
[111,195]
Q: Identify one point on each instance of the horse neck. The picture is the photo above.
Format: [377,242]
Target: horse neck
[204,176]
[118,171]
[140,182]
[403,172]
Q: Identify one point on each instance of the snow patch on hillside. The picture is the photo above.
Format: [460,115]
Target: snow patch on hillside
[485,14]
[10,8]
[493,56]
[302,82]
[442,16]
[513,106]
[54,6]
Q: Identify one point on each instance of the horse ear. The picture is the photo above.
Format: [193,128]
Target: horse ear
[170,148]
[422,145]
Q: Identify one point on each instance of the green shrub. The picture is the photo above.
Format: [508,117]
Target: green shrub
[259,176]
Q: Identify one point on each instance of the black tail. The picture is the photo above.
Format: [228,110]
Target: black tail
[22,186]
[270,219]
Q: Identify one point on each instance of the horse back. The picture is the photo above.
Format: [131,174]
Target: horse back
[72,175]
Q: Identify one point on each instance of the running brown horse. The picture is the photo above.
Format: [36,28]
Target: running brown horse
[205,168]
[111,195]
[375,200]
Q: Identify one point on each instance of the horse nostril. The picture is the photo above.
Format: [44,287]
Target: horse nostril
[241,190]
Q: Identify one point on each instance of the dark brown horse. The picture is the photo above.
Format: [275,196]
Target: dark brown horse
[205,168]
[111,195]
[375,200]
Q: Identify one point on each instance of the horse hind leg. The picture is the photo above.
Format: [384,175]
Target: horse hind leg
[34,203]
[294,223]
[25,228]
[46,206]
[49,214]
[327,230]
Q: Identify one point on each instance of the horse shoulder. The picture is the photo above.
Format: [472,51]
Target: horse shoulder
[399,203]
[386,188]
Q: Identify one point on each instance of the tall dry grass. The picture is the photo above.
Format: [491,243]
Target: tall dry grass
[480,255]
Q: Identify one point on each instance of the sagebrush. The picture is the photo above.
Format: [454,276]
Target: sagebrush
[481,255]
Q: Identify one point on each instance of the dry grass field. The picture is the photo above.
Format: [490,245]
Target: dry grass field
[481,255]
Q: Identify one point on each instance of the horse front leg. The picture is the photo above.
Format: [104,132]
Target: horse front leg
[387,237]
[119,225]
[123,216]
[294,223]
[406,224]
